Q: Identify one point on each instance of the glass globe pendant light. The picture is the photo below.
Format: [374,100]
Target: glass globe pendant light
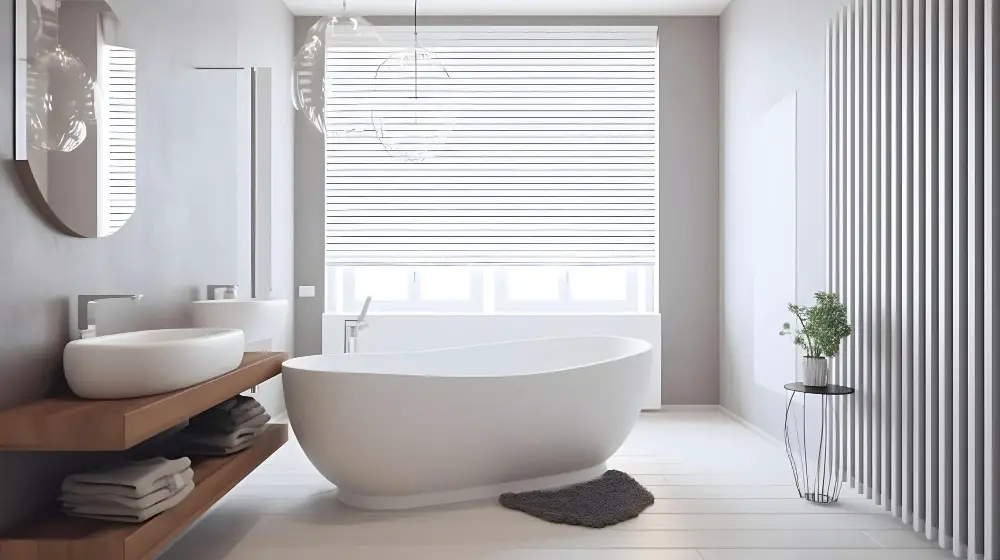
[409,126]
[62,101]
[308,76]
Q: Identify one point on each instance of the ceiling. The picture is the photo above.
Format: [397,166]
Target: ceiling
[512,7]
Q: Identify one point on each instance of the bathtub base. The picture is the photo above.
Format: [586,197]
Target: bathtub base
[469,494]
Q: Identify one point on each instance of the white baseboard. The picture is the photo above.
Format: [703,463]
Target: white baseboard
[669,407]
[753,428]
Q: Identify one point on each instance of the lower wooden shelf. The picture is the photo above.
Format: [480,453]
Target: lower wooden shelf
[55,536]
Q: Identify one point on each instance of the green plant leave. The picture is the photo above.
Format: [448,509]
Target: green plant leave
[820,328]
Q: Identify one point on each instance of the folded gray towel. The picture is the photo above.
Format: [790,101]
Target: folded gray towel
[241,404]
[132,480]
[183,480]
[221,441]
[255,422]
[228,415]
[115,512]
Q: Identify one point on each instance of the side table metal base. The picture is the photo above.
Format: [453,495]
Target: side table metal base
[820,498]
[811,452]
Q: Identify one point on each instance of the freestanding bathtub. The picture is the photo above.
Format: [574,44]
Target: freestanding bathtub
[412,429]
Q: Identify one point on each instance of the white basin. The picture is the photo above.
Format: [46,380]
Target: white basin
[138,364]
[259,319]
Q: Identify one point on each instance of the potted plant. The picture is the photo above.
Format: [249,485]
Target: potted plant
[819,332]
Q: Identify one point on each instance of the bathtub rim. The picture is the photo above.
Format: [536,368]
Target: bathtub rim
[646,347]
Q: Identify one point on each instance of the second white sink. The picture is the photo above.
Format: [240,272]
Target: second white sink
[259,319]
[143,363]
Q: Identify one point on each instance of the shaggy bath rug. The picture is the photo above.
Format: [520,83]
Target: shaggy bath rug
[608,500]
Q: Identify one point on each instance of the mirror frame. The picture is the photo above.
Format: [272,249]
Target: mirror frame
[22,166]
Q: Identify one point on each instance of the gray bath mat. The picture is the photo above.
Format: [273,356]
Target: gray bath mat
[610,499]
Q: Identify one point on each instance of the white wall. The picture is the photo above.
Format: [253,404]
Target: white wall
[407,333]
[689,202]
[266,40]
[770,50]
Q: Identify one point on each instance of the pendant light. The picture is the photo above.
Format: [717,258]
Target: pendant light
[308,75]
[408,122]
[62,95]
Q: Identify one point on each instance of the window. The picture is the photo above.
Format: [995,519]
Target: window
[544,196]
[117,138]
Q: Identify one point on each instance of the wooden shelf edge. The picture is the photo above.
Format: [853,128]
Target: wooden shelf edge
[69,423]
[57,537]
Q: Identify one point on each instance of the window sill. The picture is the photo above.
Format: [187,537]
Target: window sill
[480,314]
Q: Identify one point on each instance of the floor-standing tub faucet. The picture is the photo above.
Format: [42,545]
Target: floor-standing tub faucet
[86,321]
[354,326]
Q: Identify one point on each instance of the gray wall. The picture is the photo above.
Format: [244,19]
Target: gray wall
[310,224]
[179,239]
[689,209]
[770,48]
[689,202]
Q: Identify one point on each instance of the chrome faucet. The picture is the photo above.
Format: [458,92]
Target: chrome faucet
[354,326]
[230,288]
[85,311]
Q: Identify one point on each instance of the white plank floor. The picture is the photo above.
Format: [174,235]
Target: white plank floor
[723,493]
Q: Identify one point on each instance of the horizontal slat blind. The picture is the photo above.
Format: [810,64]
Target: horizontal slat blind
[119,93]
[551,160]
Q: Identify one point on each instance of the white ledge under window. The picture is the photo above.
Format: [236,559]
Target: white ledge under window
[545,290]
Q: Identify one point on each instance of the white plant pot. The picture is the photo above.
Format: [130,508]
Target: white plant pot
[815,372]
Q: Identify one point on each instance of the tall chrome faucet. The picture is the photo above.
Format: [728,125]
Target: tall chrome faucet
[354,326]
[85,311]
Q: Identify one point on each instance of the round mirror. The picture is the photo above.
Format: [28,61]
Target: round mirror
[75,107]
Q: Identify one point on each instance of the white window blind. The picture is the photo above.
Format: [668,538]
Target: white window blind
[118,87]
[552,159]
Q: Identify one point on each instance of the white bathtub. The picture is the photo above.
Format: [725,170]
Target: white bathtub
[403,430]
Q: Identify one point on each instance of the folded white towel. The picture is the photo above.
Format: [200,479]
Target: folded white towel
[132,480]
[181,481]
[114,512]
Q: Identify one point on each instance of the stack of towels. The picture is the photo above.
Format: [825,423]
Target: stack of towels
[131,493]
[231,426]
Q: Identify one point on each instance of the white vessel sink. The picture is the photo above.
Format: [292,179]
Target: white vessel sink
[259,319]
[138,364]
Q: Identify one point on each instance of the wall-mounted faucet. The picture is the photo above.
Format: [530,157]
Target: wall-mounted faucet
[85,311]
[229,293]
[354,326]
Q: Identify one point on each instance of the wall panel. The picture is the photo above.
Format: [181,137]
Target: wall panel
[911,206]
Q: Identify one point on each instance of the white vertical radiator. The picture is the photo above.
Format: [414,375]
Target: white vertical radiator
[911,155]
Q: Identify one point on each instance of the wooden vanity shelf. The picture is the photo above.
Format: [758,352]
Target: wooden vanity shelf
[55,536]
[69,423]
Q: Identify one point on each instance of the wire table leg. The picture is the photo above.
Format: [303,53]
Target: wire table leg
[817,478]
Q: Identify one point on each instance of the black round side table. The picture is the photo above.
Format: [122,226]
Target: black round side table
[811,453]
